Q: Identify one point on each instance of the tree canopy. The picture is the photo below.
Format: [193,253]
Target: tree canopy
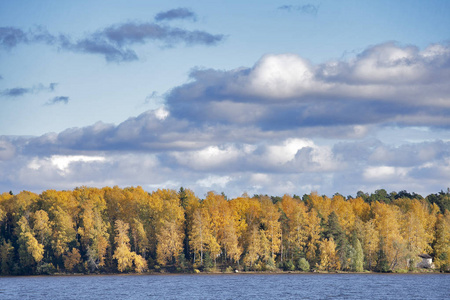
[88,230]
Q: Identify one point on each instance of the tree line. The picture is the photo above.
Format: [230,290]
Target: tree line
[92,230]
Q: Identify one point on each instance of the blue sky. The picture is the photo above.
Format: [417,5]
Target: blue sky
[236,96]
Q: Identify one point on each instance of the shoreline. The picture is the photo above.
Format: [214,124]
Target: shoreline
[229,273]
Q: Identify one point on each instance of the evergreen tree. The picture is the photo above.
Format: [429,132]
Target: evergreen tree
[334,230]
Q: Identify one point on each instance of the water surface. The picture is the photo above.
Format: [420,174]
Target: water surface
[229,286]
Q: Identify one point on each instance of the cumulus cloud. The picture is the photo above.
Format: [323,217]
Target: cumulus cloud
[257,129]
[289,166]
[113,41]
[385,84]
[177,13]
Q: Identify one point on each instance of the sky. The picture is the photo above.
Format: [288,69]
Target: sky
[262,97]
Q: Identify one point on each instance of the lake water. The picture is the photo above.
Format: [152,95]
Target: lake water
[229,286]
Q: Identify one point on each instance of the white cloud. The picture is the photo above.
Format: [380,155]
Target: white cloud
[260,178]
[214,181]
[281,154]
[388,63]
[385,173]
[62,162]
[208,158]
[280,76]
[161,113]
[257,129]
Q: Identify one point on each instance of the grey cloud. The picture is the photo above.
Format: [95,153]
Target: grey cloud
[410,154]
[102,47]
[11,37]
[177,13]
[145,132]
[240,106]
[111,42]
[247,130]
[391,63]
[419,167]
[310,9]
[15,92]
[21,91]
[52,86]
[132,33]
[386,84]
[7,149]
[148,132]
[233,168]
[58,99]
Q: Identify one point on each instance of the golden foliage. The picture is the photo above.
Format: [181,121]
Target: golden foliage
[71,259]
[135,228]
[329,259]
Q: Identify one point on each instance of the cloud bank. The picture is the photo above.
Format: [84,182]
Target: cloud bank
[385,84]
[284,125]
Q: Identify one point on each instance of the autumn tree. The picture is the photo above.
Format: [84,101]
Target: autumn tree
[169,227]
[414,222]
[30,250]
[200,236]
[329,259]
[312,231]
[387,221]
[296,217]
[253,247]
[271,226]
[62,210]
[229,241]
[41,226]
[442,243]
[72,259]
[371,242]
[122,254]
[92,227]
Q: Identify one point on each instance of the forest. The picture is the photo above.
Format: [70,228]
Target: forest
[125,230]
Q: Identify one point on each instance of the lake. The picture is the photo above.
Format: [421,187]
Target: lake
[229,286]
